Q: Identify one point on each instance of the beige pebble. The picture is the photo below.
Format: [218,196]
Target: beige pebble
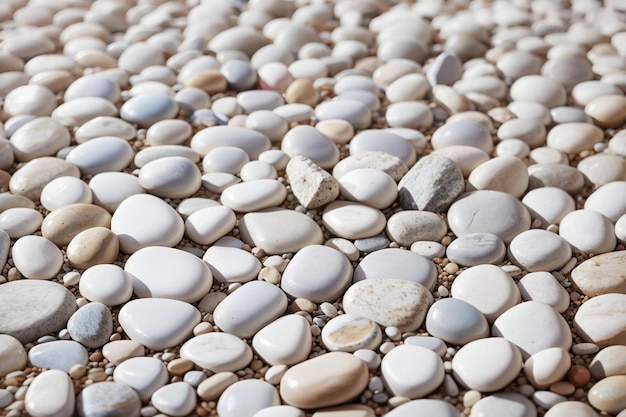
[450,99]
[609,394]
[56,80]
[118,351]
[302,91]
[302,304]
[608,362]
[607,111]
[29,180]
[78,371]
[338,130]
[94,246]
[63,224]
[574,137]
[179,366]
[211,388]
[211,81]
[347,410]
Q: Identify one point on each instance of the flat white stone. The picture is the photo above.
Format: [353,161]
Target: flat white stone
[254,195]
[177,399]
[501,403]
[58,354]
[109,189]
[212,137]
[347,333]
[190,205]
[392,263]
[64,191]
[409,114]
[51,393]
[105,126]
[228,159]
[92,86]
[479,212]
[257,170]
[20,221]
[36,257]
[39,137]
[608,362]
[229,264]
[424,408]
[502,173]
[217,352]
[278,230]
[571,408]
[246,398]
[107,284]
[412,371]
[533,326]
[357,114]
[162,272]
[170,177]
[163,227]
[279,411]
[555,174]
[588,231]
[601,320]
[389,302]
[389,164]
[476,249]
[433,343]
[603,168]
[383,141]
[543,287]
[486,365]
[317,273]
[465,157]
[103,154]
[547,366]
[82,110]
[428,249]
[143,374]
[548,204]
[540,89]
[163,151]
[286,340]
[539,250]
[158,323]
[574,137]
[463,133]
[30,99]
[353,220]
[249,308]
[29,180]
[12,355]
[609,200]
[217,182]
[208,224]
[409,226]
[148,108]
[456,322]
[307,141]
[168,132]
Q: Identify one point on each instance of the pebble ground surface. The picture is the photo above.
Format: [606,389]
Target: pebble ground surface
[312,208]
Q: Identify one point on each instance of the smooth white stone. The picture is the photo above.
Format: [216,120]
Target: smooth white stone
[269,123]
[352,220]
[212,137]
[50,394]
[540,89]
[107,284]
[58,354]
[255,100]
[29,180]
[230,265]
[177,399]
[81,110]
[257,170]
[516,148]
[433,343]
[389,302]
[608,362]
[488,288]
[383,141]
[39,137]
[547,399]
[476,249]
[190,205]
[249,308]
[533,326]
[530,110]
[389,164]
[546,367]
[620,229]
[307,141]
[407,88]
[571,408]
[91,325]
[501,403]
[36,257]
[171,177]
[609,200]
[412,371]
[138,56]
[357,114]
[601,274]
[600,320]
[294,112]
[13,355]
[276,157]
[392,263]
[430,250]
[479,212]
[104,126]
[411,226]
[286,340]
[208,224]
[228,159]
[278,230]
[347,333]
[163,227]
[143,374]
[557,175]
[217,182]
[424,408]
[603,168]
[63,191]
[103,154]
[462,133]
[168,132]
[20,221]
[539,250]
[217,352]
[254,195]
[30,99]
[588,231]
[317,273]
[548,204]
[92,86]
[279,411]
[409,114]
[162,272]
[465,157]
[158,323]
[502,173]
[488,364]
[109,189]
[456,322]
[150,154]
[543,287]
[246,398]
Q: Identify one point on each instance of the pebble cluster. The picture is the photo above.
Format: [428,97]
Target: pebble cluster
[294,208]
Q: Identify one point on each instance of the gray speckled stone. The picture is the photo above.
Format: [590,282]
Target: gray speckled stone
[91,325]
[431,184]
[108,399]
[476,249]
[456,322]
[5,245]
[30,309]
[372,244]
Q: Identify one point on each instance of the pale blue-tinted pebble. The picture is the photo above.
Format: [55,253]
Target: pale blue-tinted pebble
[147,109]
[372,244]
[371,358]
[246,398]
[103,154]
[409,114]
[309,142]
[445,69]
[93,86]
[392,263]
[6,154]
[194,378]
[567,114]
[354,112]
[207,117]
[217,182]
[20,221]
[15,122]
[6,398]
[190,99]
[368,98]
[255,100]
[295,112]
[276,157]
[456,322]
[414,136]
[59,354]
[476,249]
[239,74]
[463,132]
[150,154]
[171,177]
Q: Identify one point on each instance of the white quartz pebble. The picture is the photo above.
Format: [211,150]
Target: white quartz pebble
[163,272]
[354,112]
[317,273]
[102,154]
[546,367]
[39,137]
[254,195]
[105,126]
[212,137]
[158,323]
[208,224]
[20,221]
[50,393]
[107,284]
[177,399]
[476,249]
[424,408]
[163,227]
[353,220]
[393,263]
[543,287]
[502,173]
[412,371]
[229,265]
[63,191]
[217,352]
[411,226]
[383,141]
[170,177]
[307,141]
[548,204]
[143,374]
[539,250]
[81,110]
[286,340]
[246,398]
[588,231]
[109,189]
[369,186]
[228,159]
[609,200]
[36,257]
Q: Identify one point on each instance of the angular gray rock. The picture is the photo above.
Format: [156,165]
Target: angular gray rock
[91,325]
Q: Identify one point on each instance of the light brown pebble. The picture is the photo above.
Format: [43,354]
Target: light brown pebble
[78,371]
[179,366]
[302,304]
[63,224]
[97,375]
[302,91]
[5,178]
[94,246]
[338,130]
[118,351]
[578,375]
[564,388]
[211,81]
[607,111]
[348,410]
[609,394]
[269,274]
[56,80]
[212,387]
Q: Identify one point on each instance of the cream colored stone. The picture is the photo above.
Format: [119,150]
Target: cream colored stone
[94,246]
[63,224]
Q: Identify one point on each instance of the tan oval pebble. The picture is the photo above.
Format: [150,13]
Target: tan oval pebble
[55,80]
[601,274]
[503,173]
[63,224]
[337,130]
[574,137]
[564,388]
[12,355]
[305,385]
[179,366]
[118,351]
[211,388]
[347,410]
[607,111]
[98,245]
[609,394]
[30,179]
[211,81]
[450,99]
[302,91]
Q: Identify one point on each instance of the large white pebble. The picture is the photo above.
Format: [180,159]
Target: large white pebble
[64,191]
[539,250]
[254,195]
[548,204]
[231,264]
[106,283]
[503,173]
[208,224]
[547,367]
[383,141]
[369,186]
[50,394]
[543,287]
[36,257]
[246,398]
[394,263]
[144,374]
[412,371]
[177,399]
[103,154]
[353,220]
[20,221]
[609,200]
[307,141]
[286,340]
[588,231]
[217,352]
[109,189]
[170,177]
